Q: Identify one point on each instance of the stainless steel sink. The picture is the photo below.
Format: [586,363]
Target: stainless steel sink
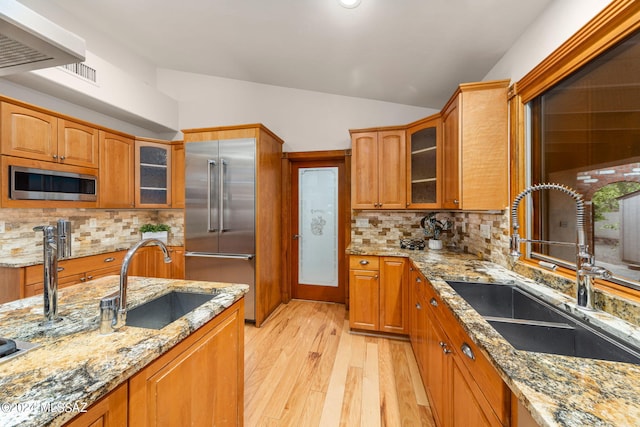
[530,324]
[159,312]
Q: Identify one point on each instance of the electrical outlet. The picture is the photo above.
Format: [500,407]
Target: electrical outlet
[485,231]
[135,220]
[362,222]
[93,223]
[1,226]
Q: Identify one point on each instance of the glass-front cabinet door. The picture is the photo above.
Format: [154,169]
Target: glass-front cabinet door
[424,163]
[153,174]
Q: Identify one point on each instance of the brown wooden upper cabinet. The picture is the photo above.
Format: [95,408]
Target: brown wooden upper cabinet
[378,170]
[456,159]
[475,147]
[36,135]
[116,174]
[424,158]
[153,174]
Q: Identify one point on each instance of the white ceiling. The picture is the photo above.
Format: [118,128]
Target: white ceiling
[411,52]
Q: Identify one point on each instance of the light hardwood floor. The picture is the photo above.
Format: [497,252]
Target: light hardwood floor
[304,368]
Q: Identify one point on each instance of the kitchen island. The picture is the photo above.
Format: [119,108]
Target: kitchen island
[75,366]
[555,390]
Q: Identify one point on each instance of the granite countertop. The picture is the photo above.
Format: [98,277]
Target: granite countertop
[556,390]
[75,365]
[35,258]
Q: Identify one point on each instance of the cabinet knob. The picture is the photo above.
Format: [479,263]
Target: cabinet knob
[375,277]
[467,351]
[418,306]
[55,156]
[83,279]
[110,259]
[62,157]
[408,204]
[364,262]
[456,201]
[89,277]
[418,280]
[433,302]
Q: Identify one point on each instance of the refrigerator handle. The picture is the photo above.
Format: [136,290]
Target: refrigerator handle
[210,165]
[247,257]
[223,163]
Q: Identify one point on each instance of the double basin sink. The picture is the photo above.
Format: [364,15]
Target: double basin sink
[529,323]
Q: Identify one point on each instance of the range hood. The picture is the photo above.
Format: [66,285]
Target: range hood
[29,41]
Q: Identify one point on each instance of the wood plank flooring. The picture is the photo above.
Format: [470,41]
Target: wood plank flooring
[304,368]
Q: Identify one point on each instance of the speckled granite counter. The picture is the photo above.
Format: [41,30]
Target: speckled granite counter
[75,364]
[556,390]
[25,260]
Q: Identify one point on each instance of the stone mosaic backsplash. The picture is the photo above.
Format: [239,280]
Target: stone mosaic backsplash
[389,227]
[93,230]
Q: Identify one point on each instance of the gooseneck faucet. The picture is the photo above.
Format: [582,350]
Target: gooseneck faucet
[586,269]
[113,308]
[56,244]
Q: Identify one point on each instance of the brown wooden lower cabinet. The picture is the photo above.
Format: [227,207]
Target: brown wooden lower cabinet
[110,411]
[149,262]
[379,294]
[198,382]
[463,387]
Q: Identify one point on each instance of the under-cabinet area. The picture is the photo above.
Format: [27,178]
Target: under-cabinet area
[23,282]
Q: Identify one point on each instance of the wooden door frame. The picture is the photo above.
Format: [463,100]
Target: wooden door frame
[287,160]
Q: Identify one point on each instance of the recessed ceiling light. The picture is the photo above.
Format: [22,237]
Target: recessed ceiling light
[350,4]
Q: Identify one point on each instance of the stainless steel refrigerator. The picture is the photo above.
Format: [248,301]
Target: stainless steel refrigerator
[220,241]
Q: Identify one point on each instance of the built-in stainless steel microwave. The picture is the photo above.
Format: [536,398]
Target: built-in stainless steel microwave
[41,184]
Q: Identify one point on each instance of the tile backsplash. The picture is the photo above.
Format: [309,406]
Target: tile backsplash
[388,227]
[93,230]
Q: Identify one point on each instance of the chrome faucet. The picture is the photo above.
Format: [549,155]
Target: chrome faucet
[113,308]
[56,244]
[586,269]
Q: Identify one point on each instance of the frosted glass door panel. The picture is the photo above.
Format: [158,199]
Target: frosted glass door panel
[318,226]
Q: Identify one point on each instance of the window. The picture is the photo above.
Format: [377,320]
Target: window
[584,132]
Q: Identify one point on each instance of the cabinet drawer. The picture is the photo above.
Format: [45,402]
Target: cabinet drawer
[358,262]
[76,266]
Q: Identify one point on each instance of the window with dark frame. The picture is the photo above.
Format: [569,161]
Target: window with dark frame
[585,133]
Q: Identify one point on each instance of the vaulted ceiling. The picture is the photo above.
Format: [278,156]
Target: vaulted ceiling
[411,52]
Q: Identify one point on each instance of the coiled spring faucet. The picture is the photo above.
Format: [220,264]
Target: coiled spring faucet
[586,269]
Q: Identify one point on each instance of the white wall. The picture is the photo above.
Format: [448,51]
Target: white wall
[306,120]
[559,21]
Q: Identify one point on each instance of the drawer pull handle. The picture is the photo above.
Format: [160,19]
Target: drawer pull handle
[418,306]
[364,262]
[466,350]
[60,269]
[110,259]
[433,302]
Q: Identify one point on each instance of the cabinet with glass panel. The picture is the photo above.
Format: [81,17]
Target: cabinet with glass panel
[153,174]
[424,163]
